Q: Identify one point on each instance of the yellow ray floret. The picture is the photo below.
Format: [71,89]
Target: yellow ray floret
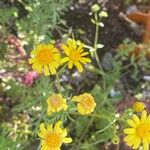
[75,55]
[86,103]
[45,58]
[56,103]
[139,131]
[53,137]
[138,106]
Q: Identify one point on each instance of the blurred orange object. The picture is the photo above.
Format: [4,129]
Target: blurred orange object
[142,18]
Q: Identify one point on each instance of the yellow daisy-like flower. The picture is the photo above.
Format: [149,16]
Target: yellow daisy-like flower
[138,106]
[139,132]
[53,137]
[75,55]
[86,103]
[56,103]
[45,58]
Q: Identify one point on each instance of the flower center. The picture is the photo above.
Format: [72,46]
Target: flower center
[143,130]
[53,140]
[75,55]
[138,106]
[56,101]
[45,56]
[86,103]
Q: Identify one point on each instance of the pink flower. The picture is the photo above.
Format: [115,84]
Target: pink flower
[30,77]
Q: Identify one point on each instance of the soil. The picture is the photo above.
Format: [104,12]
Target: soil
[115,30]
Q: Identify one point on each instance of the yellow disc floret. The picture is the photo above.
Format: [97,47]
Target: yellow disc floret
[53,137]
[138,106]
[56,103]
[75,55]
[86,103]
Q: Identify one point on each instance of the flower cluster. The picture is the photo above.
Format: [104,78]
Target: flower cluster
[47,58]
[52,138]
[86,103]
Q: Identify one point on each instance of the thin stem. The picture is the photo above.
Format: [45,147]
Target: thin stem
[86,129]
[62,69]
[95,52]
[39,146]
[58,81]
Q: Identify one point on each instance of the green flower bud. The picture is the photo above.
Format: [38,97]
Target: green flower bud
[103,14]
[115,139]
[95,8]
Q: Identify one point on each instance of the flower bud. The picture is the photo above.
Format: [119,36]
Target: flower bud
[103,14]
[95,8]
[115,139]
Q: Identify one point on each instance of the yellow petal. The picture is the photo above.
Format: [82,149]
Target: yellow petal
[55,50]
[41,134]
[67,140]
[55,64]
[46,70]
[129,137]
[84,53]
[81,110]
[136,143]
[148,119]
[143,116]
[65,59]
[50,127]
[64,133]
[79,66]
[43,129]
[72,44]
[52,70]
[65,106]
[136,119]
[49,111]
[80,48]
[129,131]
[34,52]
[39,68]
[85,60]
[131,123]
[32,60]
[66,49]
[76,98]
[145,144]
[57,128]
[70,64]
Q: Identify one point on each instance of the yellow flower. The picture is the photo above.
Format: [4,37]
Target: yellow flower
[86,103]
[75,54]
[138,106]
[45,58]
[53,137]
[56,103]
[139,132]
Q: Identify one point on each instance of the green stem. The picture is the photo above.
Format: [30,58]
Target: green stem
[62,69]
[58,81]
[95,52]
[86,129]
[39,146]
